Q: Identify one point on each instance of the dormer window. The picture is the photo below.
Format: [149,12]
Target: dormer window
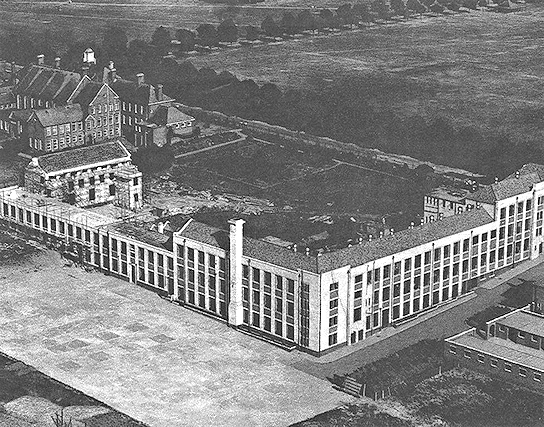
[93,110]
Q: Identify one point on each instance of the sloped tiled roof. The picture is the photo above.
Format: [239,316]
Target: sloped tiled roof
[530,168]
[140,233]
[60,115]
[130,91]
[253,248]
[506,188]
[46,83]
[83,156]
[87,93]
[168,115]
[403,240]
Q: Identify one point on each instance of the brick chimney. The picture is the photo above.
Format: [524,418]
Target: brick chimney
[159,92]
[57,62]
[140,78]
[40,59]
[236,243]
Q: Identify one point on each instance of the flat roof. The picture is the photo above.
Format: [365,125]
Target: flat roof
[525,321]
[53,207]
[504,349]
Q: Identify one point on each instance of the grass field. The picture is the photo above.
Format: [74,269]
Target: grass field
[88,19]
[308,181]
[480,69]
[301,184]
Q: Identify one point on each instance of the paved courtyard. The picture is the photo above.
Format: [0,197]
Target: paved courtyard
[155,361]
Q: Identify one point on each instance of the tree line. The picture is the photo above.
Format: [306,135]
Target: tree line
[344,111]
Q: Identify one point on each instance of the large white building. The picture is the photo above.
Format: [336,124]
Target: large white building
[308,301]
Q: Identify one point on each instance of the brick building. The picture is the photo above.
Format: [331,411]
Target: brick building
[139,102]
[510,347]
[91,115]
[87,176]
[165,125]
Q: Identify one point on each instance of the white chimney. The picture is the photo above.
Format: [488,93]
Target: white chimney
[88,56]
[57,62]
[236,245]
[40,59]
[160,227]
[140,78]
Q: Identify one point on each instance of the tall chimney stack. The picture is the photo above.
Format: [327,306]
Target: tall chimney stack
[236,243]
[159,92]
[40,59]
[140,78]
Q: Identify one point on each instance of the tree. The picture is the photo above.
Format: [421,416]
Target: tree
[288,23]
[306,21]
[114,43]
[398,7]
[252,33]
[207,35]
[227,31]
[161,39]
[345,13]
[470,4]
[327,16]
[382,9]
[186,38]
[362,12]
[270,28]
[417,6]
[437,8]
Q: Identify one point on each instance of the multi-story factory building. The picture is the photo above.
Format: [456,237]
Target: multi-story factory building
[315,302]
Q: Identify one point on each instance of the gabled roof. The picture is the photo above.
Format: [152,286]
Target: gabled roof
[506,188]
[88,93]
[143,94]
[82,157]
[46,83]
[403,240]
[167,115]
[59,115]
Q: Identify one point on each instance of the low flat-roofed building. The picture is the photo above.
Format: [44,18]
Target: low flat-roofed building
[510,346]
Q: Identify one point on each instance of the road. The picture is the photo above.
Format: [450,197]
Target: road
[447,323]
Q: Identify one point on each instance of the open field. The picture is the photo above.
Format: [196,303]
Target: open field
[139,18]
[479,69]
[308,181]
[300,185]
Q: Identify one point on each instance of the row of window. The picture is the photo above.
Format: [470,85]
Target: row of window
[63,128]
[494,363]
[104,108]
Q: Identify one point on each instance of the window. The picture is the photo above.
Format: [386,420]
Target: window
[537,377]
[521,334]
[453,349]
[456,246]
[522,372]
[467,354]
[508,366]
[92,194]
[333,339]
[427,257]
[112,189]
[417,261]
[494,363]
[481,358]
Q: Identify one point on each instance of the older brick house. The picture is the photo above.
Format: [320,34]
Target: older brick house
[165,124]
